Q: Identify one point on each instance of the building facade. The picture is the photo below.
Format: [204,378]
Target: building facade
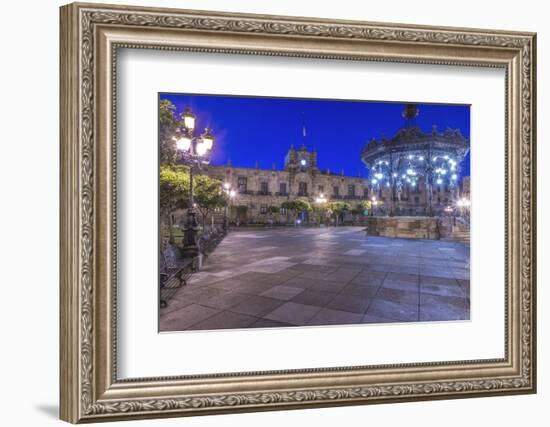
[260,192]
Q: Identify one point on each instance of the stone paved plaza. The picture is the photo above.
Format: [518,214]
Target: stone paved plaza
[322,276]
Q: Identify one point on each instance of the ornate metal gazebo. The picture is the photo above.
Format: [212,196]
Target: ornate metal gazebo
[415,161]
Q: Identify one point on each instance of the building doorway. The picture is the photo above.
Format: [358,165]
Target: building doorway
[239,215]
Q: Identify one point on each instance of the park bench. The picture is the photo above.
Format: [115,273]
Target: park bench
[173,279]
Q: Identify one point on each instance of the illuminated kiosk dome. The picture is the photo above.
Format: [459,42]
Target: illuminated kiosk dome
[416,162]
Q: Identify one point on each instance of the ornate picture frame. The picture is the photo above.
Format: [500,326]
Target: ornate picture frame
[90,37]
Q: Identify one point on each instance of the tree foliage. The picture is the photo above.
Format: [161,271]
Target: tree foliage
[273,209]
[359,208]
[365,204]
[174,187]
[296,205]
[338,208]
[174,191]
[208,195]
[168,124]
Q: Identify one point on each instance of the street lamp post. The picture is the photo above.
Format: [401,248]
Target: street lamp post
[321,200]
[194,151]
[231,194]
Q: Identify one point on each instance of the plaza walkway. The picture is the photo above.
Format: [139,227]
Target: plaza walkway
[322,276]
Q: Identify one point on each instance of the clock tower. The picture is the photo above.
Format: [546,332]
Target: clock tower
[301,160]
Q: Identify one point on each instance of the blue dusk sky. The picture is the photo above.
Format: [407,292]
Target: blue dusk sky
[261,129]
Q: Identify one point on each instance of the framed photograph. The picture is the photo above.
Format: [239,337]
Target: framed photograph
[265,212]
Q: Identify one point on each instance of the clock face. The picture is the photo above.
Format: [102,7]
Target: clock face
[303,162]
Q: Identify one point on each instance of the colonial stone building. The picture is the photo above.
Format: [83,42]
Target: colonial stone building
[260,192]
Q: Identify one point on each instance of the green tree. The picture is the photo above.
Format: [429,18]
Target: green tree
[174,192]
[369,205]
[208,195]
[365,204]
[273,209]
[321,212]
[295,206]
[359,208]
[337,210]
[168,124]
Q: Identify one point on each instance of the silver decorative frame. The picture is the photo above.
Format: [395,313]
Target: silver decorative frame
[90,36]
